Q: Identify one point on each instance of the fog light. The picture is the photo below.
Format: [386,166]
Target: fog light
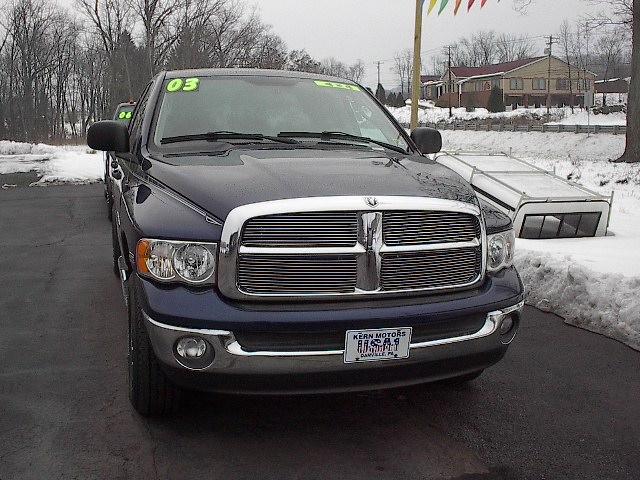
[506,325]
[194,353]
[191,347]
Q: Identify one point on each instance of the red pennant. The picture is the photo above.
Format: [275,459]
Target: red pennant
[483,2]
[471,2]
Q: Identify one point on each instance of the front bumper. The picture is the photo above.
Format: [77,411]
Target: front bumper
[236,370]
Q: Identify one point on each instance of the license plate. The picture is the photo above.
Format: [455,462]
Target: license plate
[377,344]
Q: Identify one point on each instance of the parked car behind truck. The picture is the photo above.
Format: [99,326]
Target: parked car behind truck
[123,114]
[280,232]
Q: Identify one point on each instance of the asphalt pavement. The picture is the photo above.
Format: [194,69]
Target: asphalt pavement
[563,404]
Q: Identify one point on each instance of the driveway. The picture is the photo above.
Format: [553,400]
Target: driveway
[564,403]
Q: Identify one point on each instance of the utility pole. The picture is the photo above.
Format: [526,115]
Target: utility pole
[449,83]
[378,63]
[549,50]
[417,46]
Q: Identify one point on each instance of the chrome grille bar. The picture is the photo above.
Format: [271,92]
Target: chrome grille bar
[342,246]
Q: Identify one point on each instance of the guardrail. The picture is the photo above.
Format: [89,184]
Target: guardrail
[506,127]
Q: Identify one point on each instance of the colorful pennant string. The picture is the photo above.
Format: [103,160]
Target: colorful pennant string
[443,4]
[458,4]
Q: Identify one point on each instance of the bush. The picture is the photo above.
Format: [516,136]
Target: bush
[381,95]
[390,101]
[496,101]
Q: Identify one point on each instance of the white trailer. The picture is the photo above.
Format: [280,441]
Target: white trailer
[540,203]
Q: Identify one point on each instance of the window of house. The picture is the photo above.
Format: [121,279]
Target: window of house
[495,82]
[516,83]
[584,84]
[539,83]
[562,84]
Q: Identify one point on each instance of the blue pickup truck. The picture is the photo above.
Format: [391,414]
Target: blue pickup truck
[279,232]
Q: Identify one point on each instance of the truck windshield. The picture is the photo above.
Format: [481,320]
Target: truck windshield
[271,106]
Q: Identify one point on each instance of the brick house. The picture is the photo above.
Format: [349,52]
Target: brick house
[614,85]
[523,83]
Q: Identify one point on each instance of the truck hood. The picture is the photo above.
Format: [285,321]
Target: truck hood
[219,183]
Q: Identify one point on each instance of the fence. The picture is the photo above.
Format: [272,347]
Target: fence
[499,127]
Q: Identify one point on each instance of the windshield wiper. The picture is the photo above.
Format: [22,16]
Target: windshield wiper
[223,135]
[341,135]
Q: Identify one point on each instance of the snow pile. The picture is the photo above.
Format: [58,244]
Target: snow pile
[73,164]
[537,145]
[593,283]
[428,113]
[580,117]
[608,304]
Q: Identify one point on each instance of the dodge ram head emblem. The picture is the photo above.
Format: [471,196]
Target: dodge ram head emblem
[371,201]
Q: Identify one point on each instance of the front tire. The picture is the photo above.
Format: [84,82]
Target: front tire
[151,393]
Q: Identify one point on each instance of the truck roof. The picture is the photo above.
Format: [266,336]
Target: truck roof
[253,72]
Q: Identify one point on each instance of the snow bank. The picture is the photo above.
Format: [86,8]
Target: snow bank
[429,113]
[539,146]
[608,304]
[580,117]
[74,164]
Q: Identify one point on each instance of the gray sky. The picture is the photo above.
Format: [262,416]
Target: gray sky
[376,29]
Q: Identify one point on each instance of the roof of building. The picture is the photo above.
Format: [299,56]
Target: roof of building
[496,69]
[429,78]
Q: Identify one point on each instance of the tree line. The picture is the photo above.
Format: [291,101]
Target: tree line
[63,69]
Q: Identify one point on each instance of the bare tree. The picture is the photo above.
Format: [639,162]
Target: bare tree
[624,13]
[403,66]
[565,39]
[355,72]
[512,47]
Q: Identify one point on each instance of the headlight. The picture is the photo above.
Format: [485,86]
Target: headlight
[192,263]
[500,249]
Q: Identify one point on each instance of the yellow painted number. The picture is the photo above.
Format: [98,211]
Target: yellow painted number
[175,85]
[191,85]
[342,86]
[183,85]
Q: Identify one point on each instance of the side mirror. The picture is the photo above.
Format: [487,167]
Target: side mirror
[428,140]
[108,135]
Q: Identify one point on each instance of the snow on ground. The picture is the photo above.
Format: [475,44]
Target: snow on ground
[74,164]
[593,283]
[429,113]
[581,117]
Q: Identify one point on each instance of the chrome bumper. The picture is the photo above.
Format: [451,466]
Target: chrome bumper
[230,357]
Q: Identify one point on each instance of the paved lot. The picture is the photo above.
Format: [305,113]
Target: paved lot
[563,404]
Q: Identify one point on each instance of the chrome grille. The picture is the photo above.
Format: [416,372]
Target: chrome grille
[419,228]
[336,246]
[287,274]
[430,269]
[312,229]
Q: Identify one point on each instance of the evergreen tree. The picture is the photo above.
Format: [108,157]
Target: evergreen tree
[496,100]
[381,94]
[390,101]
